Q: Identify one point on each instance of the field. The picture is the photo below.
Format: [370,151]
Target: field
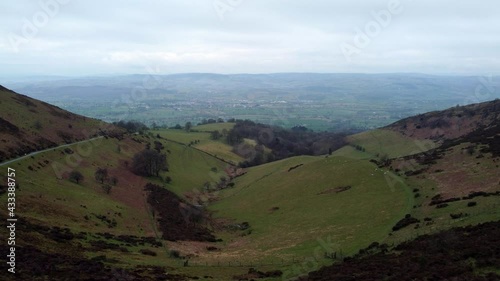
[199,138]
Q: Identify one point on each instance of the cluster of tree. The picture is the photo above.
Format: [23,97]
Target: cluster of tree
[211,121]
[101,175]
[132,126]
[216,135]
[177,219]
[149,163]
[283,143]
[189,125]
[359,147]
[158,146]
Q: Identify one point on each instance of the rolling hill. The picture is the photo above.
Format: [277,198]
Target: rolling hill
[203,218]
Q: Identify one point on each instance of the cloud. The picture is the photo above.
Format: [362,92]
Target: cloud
[96,37]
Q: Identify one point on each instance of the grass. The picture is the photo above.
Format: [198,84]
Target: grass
[216,148]
[214,127]
[305,215]
[53,201]
[190,169]
[391,143]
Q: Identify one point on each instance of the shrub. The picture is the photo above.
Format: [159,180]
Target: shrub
[175,254]
[147,252]
[76,177]
[471,204]
[406,221]
[440,206]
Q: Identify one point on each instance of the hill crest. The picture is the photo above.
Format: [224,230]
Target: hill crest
[28,125]
[451,123]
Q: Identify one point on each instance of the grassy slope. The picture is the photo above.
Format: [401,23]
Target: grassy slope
[454,175]
[24,112]
[190,168]
[202,134]
[304,215]
[382,141]
[44,199]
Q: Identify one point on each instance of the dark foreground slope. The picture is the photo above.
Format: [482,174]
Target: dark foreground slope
[469,253]
[28,125]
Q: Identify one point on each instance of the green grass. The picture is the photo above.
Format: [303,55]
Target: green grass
[182,136]
[216,148]
[53,201]
[352,219]
[391,143]
[190,168]
[214,127]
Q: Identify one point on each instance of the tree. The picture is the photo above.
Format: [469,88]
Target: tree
[106,188]
[149,163]
[158,146]
[101,174]
[168,179]
[188,126]
[76,176]
[113,180]
[215,135]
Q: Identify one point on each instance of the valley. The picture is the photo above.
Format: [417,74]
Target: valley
[203,217]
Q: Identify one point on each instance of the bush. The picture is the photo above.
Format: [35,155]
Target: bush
[76,177]
[175,254]
[471,204]
[457,216]
[106,188]
[168,179]
[406,221]
[147,252]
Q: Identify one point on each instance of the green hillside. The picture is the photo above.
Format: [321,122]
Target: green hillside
[200,138]
[28,125]
[390,143]
[288,211]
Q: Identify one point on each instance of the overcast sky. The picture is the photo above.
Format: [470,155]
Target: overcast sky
[89,37]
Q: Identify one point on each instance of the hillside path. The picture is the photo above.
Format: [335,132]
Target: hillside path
[45,150]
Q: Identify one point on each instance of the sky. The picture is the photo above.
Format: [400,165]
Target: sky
[89,37]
